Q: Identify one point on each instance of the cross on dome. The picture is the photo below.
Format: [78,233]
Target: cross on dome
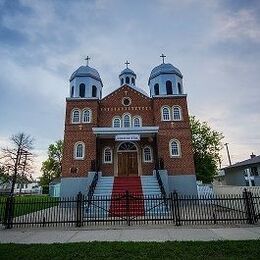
[163,56]
[87,60]
[127,63]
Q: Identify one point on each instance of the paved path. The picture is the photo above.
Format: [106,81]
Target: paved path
[29,236]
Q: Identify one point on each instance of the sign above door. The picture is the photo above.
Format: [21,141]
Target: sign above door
[127,137]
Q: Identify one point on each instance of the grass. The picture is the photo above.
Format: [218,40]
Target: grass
[25,204]
[133,250]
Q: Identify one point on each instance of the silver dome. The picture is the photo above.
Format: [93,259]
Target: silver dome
[164,68]
[127,71]
[86,71]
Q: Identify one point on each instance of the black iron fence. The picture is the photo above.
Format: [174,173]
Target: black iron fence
[130,209]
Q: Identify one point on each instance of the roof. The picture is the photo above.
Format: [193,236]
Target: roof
[127,71]
[164,68]
[55,181]
[85,71]
[250,161]
[140,90]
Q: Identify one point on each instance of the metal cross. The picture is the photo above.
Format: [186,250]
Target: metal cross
[87,59]
[127,63]
[162,56]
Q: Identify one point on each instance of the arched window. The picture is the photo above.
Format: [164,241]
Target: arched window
[176,112]
[147,154]
[127,146]
[75,116]
[127,80]
[94,91]
[127,120]
[122,81]
[133,81]
[86,116]
[137,121]
[169,87]
[107,155]
[82,90]
[72,91]
[156,89]
[179,88]
[79,151]
[166,115]
[175,148]
[117,122]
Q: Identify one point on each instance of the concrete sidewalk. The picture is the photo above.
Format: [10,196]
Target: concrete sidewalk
[31,236]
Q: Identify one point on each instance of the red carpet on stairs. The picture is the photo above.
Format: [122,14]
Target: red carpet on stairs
[123,205]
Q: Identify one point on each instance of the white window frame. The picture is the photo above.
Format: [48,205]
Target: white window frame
[180,113]
[151,154]
[72,116]
[140,121]
[76,148]
[162,114]
[130,120]
[117,118]
[178,148]
[90,115]
[104,155]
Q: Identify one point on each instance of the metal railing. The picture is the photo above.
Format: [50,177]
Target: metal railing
[129,209]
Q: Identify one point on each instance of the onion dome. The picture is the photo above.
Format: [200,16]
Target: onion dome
[164,68]
[86,71]
[127,71]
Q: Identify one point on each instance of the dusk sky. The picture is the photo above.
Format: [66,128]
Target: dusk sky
[214,43]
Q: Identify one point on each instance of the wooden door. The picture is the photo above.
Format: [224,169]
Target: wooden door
[127,164]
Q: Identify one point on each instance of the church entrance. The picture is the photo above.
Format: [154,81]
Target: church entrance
[127,160]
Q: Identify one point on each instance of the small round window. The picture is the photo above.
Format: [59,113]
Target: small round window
[126,101]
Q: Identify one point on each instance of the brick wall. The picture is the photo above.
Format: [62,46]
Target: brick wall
[149,109]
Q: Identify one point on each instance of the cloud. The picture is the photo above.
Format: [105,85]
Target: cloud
[241,25]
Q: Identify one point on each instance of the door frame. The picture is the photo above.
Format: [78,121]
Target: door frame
[138,151]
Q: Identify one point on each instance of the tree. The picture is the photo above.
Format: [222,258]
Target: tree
[51,168]
[206,149]
[18,158]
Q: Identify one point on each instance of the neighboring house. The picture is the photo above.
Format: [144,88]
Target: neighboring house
[245,173]
[54,188]
[28,188]
[4,185]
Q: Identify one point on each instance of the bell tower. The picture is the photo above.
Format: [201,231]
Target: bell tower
[127,76]
[165,79]
[86,83]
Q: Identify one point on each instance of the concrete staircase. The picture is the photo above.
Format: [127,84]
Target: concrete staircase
[104,186]
[151,187]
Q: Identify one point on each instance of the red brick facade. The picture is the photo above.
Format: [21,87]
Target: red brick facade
[103,112]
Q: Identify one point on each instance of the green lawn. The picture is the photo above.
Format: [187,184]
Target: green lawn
[130,250]
[25,204]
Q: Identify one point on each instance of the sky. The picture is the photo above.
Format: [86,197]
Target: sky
[215,44]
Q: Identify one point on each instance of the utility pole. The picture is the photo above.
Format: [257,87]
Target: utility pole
[228,154]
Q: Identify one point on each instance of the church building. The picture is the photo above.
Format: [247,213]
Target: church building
[128,133]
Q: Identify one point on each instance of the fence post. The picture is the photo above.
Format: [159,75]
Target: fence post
[249,206]
[9,212]
[172,207]
[79,216]
[127,207]
[176,208]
